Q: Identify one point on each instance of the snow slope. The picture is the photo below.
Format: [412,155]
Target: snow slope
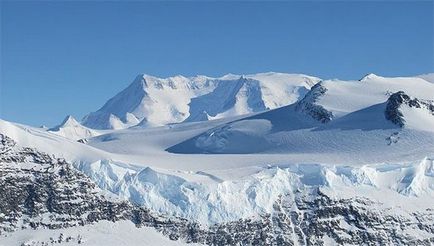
[156,101]
[121,233]
[428,77]
[336,117]
[343,97]
[49,142]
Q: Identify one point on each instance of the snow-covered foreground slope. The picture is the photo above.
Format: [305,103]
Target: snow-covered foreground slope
[122,233]
[50,142]
[156,101]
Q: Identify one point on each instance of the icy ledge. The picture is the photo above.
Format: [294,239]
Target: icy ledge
[253,196]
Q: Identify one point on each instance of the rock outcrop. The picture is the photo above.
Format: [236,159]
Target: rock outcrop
[309,104]
[395,102]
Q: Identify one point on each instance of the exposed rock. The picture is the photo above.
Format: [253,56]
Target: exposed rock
[396,100]
[308,104]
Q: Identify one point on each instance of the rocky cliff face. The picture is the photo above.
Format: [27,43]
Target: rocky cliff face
[38,190]
[309,105]
[314,218]
[399,99]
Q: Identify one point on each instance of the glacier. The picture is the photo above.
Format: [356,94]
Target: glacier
[219,201]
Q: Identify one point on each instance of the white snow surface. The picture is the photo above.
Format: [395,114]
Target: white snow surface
[121,233]
[225,169]
[343,97]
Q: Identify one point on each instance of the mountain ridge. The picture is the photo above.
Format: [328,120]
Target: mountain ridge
[157,101]
[72,129]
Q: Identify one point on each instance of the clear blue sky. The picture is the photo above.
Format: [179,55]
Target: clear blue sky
[69,58]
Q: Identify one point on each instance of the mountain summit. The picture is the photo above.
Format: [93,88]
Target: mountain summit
[157,101]
[72,129]
[69,121]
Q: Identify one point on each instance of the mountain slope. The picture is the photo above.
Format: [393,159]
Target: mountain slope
[428,77]
[335,117]
[156,101]
[343,97]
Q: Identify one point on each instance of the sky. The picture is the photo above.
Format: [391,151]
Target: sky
[60,58]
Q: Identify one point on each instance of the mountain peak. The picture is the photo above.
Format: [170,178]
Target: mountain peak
[369,76]
[72,129]
[69,121]
[140,81]
[158,101]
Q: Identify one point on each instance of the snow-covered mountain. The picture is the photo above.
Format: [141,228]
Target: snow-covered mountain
[428,77]
[340,162]
[351,118]
[70,128]
[156,101]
